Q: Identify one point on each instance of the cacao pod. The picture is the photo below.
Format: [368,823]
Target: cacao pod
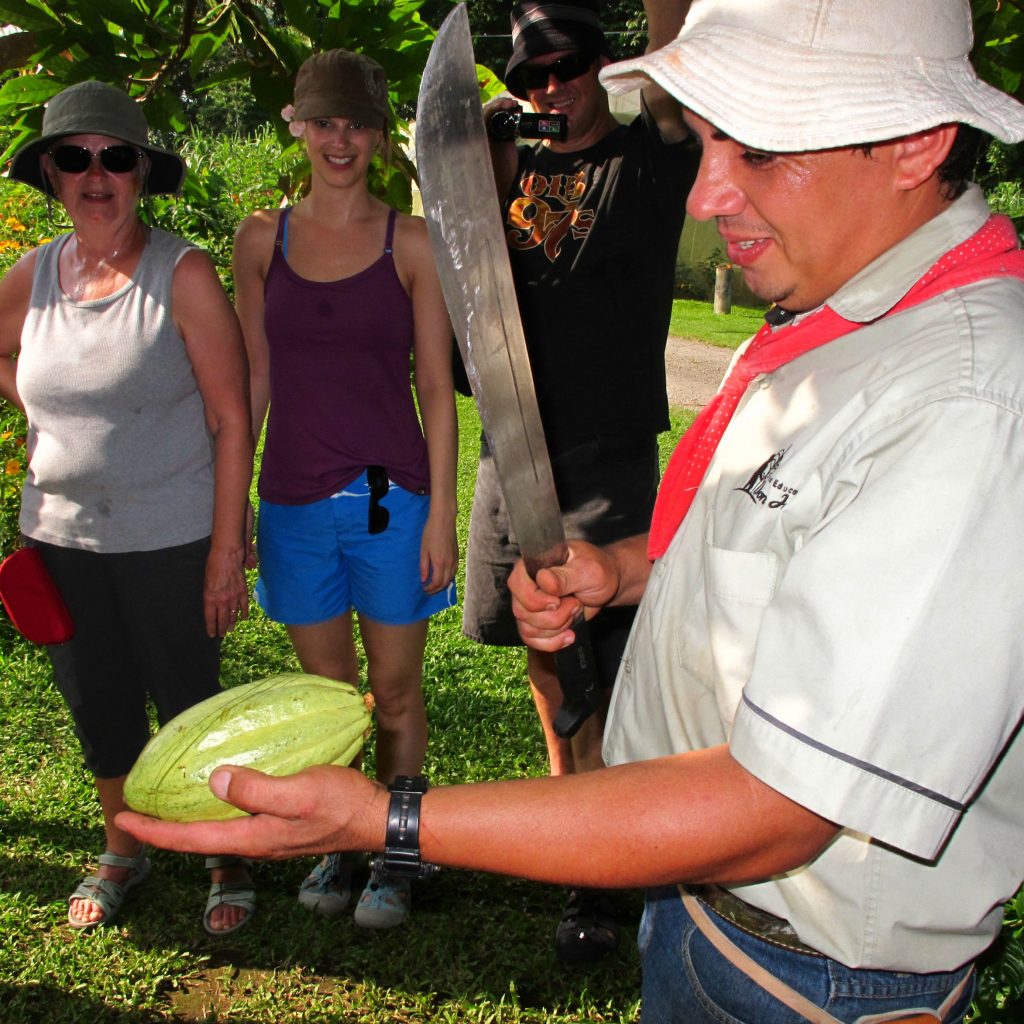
[277,725]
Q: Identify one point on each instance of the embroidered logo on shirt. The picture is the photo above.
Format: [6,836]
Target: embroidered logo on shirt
[764,487]
[547,211]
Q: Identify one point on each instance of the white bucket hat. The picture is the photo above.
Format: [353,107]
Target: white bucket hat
[794,75]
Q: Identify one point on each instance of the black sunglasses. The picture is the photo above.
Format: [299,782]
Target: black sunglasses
[118,159]
[377,479]
[565,69]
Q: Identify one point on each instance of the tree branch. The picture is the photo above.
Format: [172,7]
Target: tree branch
[1016,3]
[175,61]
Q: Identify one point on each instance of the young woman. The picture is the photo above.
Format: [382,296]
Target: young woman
[357,501]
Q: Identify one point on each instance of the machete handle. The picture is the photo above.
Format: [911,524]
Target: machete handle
[577,675]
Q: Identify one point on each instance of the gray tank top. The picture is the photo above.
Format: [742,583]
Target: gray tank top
[120,458]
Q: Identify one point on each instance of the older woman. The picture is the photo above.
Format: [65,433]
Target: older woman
[132,373]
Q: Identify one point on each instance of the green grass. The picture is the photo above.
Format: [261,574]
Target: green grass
[478,948]
[693,319]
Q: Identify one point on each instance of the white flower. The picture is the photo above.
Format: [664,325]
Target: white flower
[297,128]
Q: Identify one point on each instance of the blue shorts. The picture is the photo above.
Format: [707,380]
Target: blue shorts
[319,561]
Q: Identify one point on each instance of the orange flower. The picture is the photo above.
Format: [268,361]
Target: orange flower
[13,467]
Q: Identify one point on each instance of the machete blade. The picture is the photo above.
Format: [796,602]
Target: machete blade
[463,217]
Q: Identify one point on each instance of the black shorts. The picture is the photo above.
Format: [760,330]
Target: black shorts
[606,489]
[140,634]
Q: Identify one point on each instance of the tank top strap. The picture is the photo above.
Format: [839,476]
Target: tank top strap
[389,240]
[281,241]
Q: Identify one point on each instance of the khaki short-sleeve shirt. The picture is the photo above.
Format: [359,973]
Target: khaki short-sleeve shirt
[843,605]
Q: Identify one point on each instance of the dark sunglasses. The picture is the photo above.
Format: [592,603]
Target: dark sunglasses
[565,69]
[377,479]
[76,159]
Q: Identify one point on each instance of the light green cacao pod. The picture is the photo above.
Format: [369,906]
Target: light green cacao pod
[278,725]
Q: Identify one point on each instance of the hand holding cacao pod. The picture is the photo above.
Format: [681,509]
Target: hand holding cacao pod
[277,725]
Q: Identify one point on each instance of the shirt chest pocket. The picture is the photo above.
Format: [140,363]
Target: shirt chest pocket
[740,586]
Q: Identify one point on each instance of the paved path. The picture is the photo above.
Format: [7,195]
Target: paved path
[693,370]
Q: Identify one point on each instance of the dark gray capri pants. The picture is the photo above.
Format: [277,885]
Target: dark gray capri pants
[606,489]
[139,632]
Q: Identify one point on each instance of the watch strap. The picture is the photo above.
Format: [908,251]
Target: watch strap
[401,857]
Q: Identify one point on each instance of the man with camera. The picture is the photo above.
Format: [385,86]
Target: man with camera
[592,211]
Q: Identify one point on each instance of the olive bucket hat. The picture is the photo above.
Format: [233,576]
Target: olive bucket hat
[95,108]
[341,83]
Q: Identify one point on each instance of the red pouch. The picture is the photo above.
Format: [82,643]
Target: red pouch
[32,599]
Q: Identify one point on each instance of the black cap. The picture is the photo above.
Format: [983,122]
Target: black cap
[539,28]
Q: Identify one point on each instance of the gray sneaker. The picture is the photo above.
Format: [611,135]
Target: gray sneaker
[327,889]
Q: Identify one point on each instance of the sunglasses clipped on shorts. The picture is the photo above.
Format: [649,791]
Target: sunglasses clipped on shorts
[119,159]
[377,480]
[565,69]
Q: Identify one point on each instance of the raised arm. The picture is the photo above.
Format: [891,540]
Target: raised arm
[664,20]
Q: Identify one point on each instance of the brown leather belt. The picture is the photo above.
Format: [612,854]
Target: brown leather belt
[752,920]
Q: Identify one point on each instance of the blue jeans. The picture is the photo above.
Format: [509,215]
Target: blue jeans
[687,981]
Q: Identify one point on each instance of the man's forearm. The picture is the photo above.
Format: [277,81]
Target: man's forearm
[695,817]
[664,20]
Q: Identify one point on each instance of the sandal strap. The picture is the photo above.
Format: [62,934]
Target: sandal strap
[234,894]
[115,860]
[231,894]
[105,893]
[227,861]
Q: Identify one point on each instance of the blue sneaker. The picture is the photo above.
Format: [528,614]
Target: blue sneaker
[385,903]
[327,889]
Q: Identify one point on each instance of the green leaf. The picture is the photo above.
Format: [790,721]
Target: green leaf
[19,140]
[27,16]
[302,15]
[127,15]
[28,90]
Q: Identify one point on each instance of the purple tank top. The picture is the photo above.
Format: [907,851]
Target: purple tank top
[340,391]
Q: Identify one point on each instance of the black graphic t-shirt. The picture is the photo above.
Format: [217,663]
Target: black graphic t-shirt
[592,237]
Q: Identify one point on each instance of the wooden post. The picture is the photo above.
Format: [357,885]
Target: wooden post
[723,288]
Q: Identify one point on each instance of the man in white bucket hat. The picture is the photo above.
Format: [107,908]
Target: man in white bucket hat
[816,725]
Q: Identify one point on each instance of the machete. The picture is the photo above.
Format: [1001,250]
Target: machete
[460,203]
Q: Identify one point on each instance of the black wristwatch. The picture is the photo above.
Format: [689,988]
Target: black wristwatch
[401,856]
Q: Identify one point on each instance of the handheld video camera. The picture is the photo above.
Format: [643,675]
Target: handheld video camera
[519,124]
